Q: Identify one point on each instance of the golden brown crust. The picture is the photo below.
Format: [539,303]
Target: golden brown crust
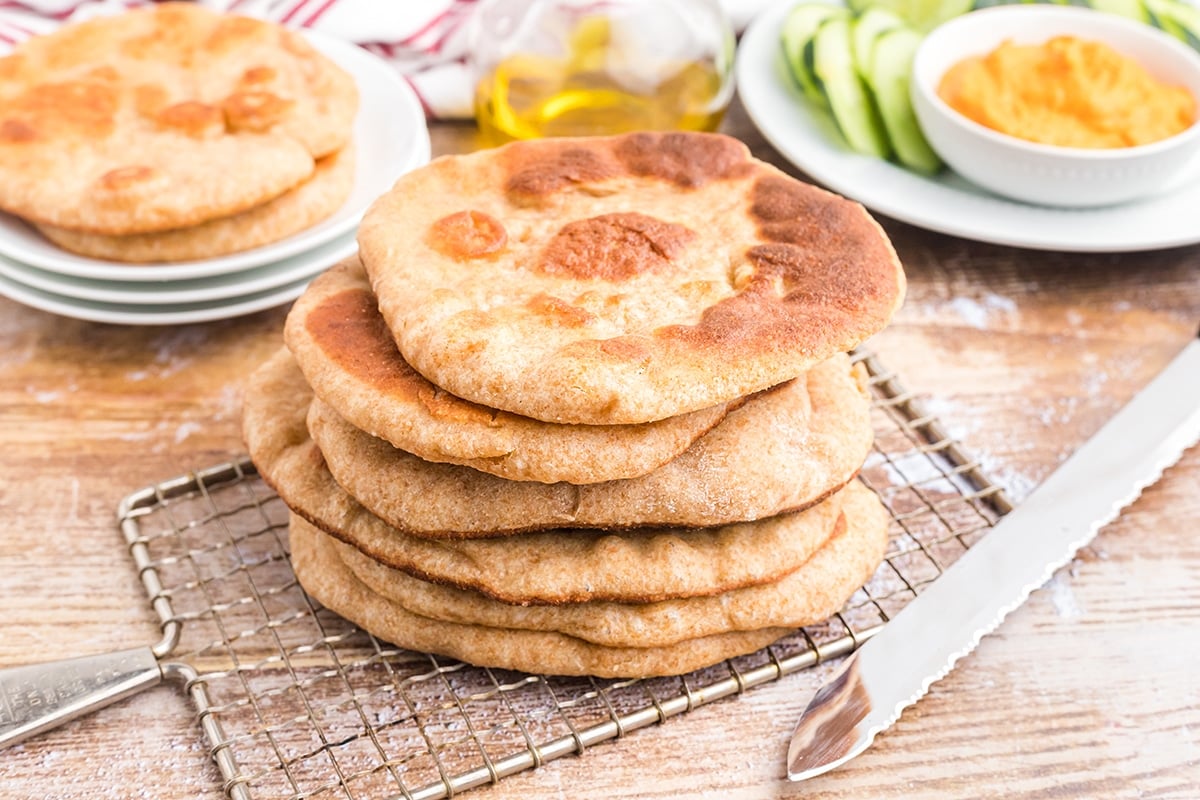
[347,355]
[163,117]
[639,276]
[467,234]
[535,171]
[686,160]
[613,247]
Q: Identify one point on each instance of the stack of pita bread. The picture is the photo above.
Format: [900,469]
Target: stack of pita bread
[173,132]
[583,406]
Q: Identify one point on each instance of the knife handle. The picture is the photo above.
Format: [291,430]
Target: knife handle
[37,697]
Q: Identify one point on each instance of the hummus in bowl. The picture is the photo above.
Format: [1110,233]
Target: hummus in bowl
[1059,105]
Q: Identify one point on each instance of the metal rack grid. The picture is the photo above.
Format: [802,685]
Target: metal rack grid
[298,703]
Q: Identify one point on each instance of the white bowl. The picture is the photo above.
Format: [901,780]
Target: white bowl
[1048,174]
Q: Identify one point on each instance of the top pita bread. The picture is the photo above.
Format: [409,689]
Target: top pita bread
[164,117]
[621,279]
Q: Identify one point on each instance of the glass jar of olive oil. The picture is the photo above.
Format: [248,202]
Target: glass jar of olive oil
[584,67]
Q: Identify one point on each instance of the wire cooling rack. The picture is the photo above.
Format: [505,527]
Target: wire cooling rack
[298,703]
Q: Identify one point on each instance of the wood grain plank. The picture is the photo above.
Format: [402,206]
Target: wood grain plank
[1089,690]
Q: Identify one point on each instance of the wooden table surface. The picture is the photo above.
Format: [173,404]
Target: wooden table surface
[1091,689]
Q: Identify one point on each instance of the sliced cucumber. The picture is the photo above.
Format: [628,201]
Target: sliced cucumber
[1133,9]
[1185,19]
[889,80]
[1158,12]
[851,103]
[798,30]
[866,28]
[924,15]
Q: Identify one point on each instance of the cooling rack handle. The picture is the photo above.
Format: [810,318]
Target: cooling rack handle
[38,697]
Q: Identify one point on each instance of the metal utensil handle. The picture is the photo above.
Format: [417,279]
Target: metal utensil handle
[38,697]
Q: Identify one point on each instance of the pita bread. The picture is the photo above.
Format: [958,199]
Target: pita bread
[768,456]
[164,117]
[555,566]
[347,355]
[811,593]
[291,212]
[324,576]
[624,279]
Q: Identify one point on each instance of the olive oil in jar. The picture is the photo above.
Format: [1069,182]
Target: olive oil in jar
[599,78]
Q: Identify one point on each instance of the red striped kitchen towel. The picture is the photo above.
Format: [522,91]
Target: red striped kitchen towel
[424,40]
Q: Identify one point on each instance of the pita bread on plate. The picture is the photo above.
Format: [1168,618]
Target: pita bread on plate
[291,212]
[164,117]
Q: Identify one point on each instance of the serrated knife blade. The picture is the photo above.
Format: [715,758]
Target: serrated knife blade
[896,667]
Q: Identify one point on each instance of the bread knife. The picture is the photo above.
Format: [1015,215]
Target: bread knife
[895,667]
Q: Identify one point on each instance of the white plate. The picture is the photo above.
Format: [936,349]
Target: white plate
[195,290]
[391,138]
[945,202]
[168,314]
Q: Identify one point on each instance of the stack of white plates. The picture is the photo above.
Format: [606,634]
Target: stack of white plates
[391,138]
